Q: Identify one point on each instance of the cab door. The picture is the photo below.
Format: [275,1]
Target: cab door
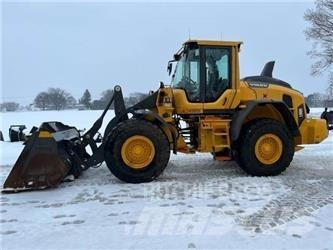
[218,79]
[186,83]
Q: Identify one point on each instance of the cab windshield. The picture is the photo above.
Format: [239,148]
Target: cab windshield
[186,74]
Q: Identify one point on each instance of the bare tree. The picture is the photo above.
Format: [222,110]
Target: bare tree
[54,98]
[316,100]
[330,87]
[60,99]
[42,100]
[9,106]
[106,95]
[70,101]
[320,32]
[134,98]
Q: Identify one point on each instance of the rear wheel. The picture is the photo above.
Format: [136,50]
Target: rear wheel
[137,151]
[266,148]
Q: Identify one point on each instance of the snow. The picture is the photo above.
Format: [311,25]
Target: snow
[316,112]
[197,203]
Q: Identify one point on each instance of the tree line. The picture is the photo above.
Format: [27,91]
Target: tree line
[86,102]
[319,100]
[59,99]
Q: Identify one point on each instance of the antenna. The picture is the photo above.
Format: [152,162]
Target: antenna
[221,35]
[189,33]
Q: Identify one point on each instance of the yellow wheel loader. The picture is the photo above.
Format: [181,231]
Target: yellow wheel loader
[258,121]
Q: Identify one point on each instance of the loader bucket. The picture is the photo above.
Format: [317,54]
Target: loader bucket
[44,161]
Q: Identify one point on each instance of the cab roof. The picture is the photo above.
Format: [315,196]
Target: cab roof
[214,42]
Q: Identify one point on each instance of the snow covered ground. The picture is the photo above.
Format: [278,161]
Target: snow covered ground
[197,203]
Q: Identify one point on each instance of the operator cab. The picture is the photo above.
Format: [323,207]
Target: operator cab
[203,70]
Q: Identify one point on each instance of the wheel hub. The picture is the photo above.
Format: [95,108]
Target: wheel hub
[138,151]
[268,149]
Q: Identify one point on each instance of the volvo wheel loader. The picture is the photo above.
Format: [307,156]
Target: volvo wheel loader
[258,121]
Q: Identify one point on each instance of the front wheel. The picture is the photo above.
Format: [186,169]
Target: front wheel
[266,148]
[137,151]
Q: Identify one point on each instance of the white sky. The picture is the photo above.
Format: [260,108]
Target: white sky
[81,45]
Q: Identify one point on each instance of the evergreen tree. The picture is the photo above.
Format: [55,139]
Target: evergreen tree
[86,99]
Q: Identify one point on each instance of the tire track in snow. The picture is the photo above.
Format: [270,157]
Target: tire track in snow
[306,195]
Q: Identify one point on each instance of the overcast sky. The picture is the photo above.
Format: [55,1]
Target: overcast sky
[85,45]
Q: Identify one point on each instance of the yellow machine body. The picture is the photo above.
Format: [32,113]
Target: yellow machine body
[214,129]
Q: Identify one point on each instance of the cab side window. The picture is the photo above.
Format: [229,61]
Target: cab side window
[218,78]
[191,79]
[187,75]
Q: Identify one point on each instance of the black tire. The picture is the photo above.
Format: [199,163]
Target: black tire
[120,134]
[247,158]
[236,147]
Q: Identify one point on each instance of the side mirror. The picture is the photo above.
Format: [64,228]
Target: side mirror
[176,57]
[169,69]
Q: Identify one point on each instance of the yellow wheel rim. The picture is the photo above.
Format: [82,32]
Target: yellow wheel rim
[138,151]
[268,149]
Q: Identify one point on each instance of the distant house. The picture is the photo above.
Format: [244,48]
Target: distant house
[81,106]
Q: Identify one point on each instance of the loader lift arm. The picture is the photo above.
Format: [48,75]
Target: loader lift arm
[118,99]
[88,138]
[121,114]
